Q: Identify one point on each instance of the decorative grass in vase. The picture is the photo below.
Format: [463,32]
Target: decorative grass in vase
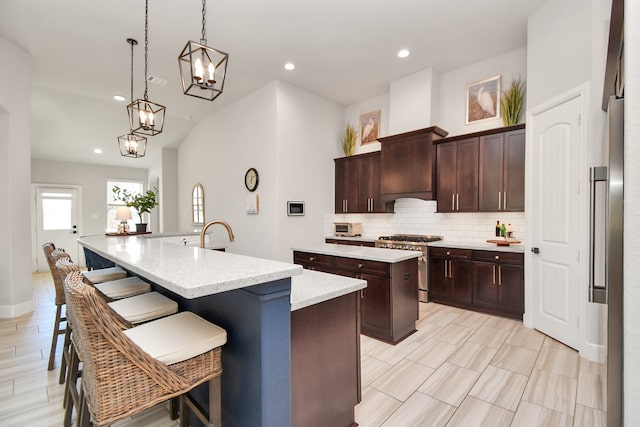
[511,102]
[349,140]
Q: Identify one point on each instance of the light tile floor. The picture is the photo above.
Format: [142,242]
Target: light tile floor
[460,369]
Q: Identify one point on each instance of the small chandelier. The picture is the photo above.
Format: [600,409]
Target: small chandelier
[132,145]
[146,117]
[202,68]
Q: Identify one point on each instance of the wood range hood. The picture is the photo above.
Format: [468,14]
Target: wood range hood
[408,164]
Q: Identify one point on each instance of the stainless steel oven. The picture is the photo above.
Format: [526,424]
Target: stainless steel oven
[412,242]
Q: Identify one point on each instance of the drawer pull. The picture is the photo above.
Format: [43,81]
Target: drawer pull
[360,266]
[312,258]
[406,276]
[448,253]
[497,256]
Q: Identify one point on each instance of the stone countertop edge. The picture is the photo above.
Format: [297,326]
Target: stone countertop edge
[314,287]
[360,252]
[190,272]
[353,239]
[483,246]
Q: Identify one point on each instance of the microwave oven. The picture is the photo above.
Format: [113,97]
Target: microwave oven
[347,229]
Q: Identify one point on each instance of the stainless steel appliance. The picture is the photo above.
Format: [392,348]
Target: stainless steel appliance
[606,258]
[347,229]
[412,242]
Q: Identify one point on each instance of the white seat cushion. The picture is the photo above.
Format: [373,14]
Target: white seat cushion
[178,337]
[123,288]
[145,307]
[105,274]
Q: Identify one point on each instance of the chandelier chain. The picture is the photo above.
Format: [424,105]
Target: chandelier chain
[204,21]
[132,44]
[146,46]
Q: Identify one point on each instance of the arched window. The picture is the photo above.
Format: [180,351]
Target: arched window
[197,204]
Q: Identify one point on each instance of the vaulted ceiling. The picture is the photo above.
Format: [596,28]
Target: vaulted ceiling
[344,51]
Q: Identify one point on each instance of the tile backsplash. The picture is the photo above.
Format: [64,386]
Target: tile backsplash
[415,216]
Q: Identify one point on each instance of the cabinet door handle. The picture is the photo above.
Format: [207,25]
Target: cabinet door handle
[450,269]
[494,274]
[453,202]
[458,201]
[346,204]
[361,293]
[499,275]
[504,204]
[446,271]
[499,200]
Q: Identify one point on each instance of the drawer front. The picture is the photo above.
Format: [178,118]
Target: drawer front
[310,260]
[363,266]
[450,253]
[499,257]
[350,242]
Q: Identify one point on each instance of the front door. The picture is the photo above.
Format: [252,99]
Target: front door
[56,221]
[554,219]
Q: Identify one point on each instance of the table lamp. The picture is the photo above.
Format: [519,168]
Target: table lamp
[123,213]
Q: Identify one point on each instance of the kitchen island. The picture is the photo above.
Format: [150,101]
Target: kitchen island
[389,304]
[250,297]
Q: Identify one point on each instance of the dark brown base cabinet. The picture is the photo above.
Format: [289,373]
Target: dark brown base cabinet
[325,363]
[389,303]
[487,281]
[349,242]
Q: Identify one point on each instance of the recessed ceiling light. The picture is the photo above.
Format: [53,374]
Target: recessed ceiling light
[119,98]
[289,66]
[97,151]
[403,53]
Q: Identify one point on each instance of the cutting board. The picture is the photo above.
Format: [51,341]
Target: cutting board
[503,242]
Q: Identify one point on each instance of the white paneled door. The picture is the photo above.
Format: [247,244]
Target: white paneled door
[554,145]
[56,221]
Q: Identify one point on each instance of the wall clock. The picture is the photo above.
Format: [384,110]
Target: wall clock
[251,179]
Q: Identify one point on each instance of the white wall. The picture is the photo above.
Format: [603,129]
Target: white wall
[632,216]
[163,173]
[411,101]
[217,153]
[453,87]
[305,164]
[352,117]
[16,290]
[93,180]
[286,134]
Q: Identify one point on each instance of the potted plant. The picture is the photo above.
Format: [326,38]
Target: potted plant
[349,140]
[512,101]
[142,203]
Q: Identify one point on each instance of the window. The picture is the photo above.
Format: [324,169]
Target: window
[112,204]
[197,204]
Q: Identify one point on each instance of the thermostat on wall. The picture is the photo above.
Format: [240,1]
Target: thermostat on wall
[295,208]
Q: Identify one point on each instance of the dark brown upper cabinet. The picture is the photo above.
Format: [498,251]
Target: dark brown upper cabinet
[357,185]
[408,168]
[482,171]
[501,179]
[457,176]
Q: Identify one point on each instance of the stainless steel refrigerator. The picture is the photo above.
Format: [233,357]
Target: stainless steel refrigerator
[606,280]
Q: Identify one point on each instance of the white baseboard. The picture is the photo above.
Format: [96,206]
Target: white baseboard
[593,352]
[11,311]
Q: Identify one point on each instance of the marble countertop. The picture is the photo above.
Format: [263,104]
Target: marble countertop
[313,287]
[483,246]
[360,252]
[189,271]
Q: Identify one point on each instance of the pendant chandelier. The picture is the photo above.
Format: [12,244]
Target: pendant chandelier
[132,145]
[202,68]
[146,117]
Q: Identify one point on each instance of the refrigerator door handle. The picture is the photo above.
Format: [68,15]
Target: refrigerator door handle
[597,221]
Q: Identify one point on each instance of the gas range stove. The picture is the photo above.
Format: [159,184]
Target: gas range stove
[412,242]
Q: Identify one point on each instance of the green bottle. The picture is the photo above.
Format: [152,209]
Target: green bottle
[503,230]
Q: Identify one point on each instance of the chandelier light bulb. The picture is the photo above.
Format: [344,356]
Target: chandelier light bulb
[212,72]
[198,70]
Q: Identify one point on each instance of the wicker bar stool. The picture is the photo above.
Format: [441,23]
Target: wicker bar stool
[52,254]
[128,371]
[112,289]
[132,310]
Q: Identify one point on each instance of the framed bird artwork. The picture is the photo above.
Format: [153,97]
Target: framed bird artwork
[369,127]
[483,100]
